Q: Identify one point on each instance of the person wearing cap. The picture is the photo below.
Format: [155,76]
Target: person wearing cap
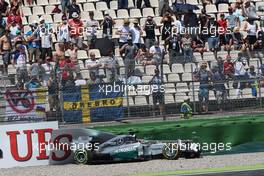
[92,26]
[73,8]
[33,43]
[128,52]
[149,27]
[13,27]
[5,49]
[76,30]
[204,77]
[107,25]
[136,33]
[124,32]
[63,31]
[21,66]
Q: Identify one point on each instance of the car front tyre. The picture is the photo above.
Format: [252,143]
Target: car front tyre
[81,157]
[171,151]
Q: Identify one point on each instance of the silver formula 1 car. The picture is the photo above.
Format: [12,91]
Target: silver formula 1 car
[129,148]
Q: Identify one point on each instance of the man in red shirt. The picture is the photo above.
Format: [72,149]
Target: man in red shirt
[228,67]
[14,17]
[76,30]
[222,23]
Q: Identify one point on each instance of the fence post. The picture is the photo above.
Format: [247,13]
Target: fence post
[193,91]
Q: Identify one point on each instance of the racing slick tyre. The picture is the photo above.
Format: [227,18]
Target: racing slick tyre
[81,157]
[171,151]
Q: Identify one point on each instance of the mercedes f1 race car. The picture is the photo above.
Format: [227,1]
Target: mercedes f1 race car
[128,148]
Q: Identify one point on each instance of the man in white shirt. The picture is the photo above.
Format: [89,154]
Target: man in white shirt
[240,74]
[156,51]
[21,66]
[93,64]
[91,30]
[46,43]
[124,32]
[111,66]
[136,33]
[48,69]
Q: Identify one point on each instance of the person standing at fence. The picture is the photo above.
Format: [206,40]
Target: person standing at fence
[91,30]
[157,92]
[93,65]
[21,66]
[129,52]
[111,67]
[186,45]
[253,82]
[156,52]
[5,48]
[107,25]
[53,96]
[218,80]
[174,47]
[124,32]
[186,110]
[204,77]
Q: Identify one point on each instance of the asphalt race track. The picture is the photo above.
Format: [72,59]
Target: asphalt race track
[238,173]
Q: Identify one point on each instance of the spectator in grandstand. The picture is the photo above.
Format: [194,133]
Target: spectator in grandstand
[156,52]
[204,77]
[93,65]
[220,65]
[249,10]
[76,32]
[93,79]
[203,19]
[219,87]
[186,45]
[2,25]
[14,28]
[15,53]
[238,41]
[222,23]
[33,83]
[111,66]
[19,38]
[129,52]
[64,5]
[232,19]
[57,10]
[167,22]
[63,31]
[79,81]
[4,8]
[237,8]
[136,33]
[260,40]
[21,66]
[124,31]
[37,70]
[149,28]
[190,22]
[14,17]
[107,25]
[164,6]
[48,69]
[186,110]
[33,44]
[146,2]
[122,4]
[240,74]
[16,4]
[178,24]
[53,95]
[60,52]
[158,93]
[213,38]
[5,48]
[46,43]
[253,83]
[174,47]
[228,67]
[72,52]
[67,70]
[91,30]
[198,45]
[251,27]
[73,9]
[144,57]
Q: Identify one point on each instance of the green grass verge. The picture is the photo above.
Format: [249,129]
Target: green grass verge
[204,171]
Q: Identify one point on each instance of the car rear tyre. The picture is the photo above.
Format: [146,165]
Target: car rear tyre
[81,157]
[171,151]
